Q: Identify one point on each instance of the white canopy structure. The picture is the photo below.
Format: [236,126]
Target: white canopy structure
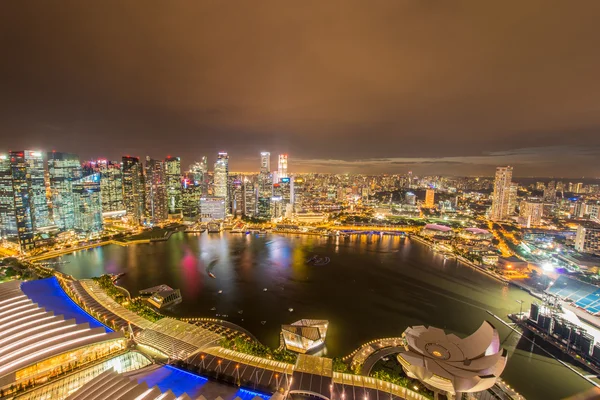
[451,364]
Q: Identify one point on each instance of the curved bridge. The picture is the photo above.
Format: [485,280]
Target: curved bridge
[371,360]
[369,353]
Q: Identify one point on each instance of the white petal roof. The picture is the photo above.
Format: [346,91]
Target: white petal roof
[452,364]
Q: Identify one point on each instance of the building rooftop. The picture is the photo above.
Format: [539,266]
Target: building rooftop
[436,227]
[39,321]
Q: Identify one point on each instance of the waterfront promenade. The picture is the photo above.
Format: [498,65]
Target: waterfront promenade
[196,346]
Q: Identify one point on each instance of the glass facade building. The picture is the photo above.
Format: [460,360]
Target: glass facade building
[111,185]
[63,170]
[22,200]
[133,188]
[156,192]
[173,181]
[39,201]
[221,177]
[88,204]
[8,223]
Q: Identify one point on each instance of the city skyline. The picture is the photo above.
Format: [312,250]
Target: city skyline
[401,86]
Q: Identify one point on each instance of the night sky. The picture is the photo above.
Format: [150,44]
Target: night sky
[436,87]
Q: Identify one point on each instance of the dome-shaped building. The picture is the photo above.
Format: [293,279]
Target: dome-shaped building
[450,364]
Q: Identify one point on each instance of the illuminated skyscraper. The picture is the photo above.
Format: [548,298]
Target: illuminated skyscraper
[237,197]
[265,186]
[39,201]
[8,223]
[265,162]
[299,193]
[250,197]
[22,204]
[501,197]
[221,178]
[173,176]
[133,188]
[282,170]
[111,185]
[88,204]
[157,210]
[429,198]
[190,199]
[63,170]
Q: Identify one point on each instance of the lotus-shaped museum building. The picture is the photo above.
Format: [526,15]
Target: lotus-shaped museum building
[448,363]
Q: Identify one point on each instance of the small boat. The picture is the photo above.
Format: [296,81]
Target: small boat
[290,309]
[220,291]
[213,309]
[241,312]
[212,275]
[263,322]
[265,289]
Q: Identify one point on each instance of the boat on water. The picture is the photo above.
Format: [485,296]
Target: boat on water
[290,309]
[241,312]
[212,275]
[213,309]
[263,322]
[220,291]
[265,289]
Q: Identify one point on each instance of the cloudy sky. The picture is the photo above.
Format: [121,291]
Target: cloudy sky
[448,87]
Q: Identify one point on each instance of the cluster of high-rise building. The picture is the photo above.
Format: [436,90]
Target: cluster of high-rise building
[56,192]
[40,193]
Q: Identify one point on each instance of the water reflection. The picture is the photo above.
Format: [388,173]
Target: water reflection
[373,287]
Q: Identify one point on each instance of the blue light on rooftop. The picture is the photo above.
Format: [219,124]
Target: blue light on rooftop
[48,294]
[174,379]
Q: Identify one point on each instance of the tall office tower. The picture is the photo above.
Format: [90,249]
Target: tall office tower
[111,185]
[265,162]
[250,197]
[299,194]
[530,213]
[190,199]
[276,203]
[282,170]
[550,192]
[501,195]
[237,197]
[286,189]
[39,201]
[173,176]
[133,188]
[63,170]
[87,199]
[221,178]
[8,223]
[429,198]
[22,200]
[157,209]
[197,173]
[265,186]
[578,187]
